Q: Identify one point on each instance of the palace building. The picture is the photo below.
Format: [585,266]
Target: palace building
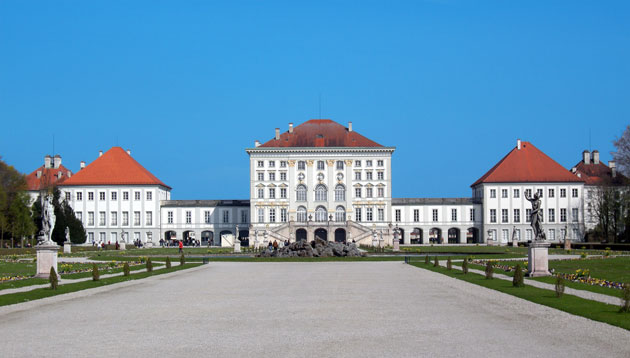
[322,179]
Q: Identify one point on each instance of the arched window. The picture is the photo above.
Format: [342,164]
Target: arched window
[321,193]
[340,214]
[301,193]
[340,192]
[301,214]
[320,214]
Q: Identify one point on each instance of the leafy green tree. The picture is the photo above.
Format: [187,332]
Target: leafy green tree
[12,183]
[20,217]
[64,217]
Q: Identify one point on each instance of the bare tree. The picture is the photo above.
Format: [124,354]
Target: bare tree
[622,155]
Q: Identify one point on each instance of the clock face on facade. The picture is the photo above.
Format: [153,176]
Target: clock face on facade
[320,176]
[301,176]
[340,177]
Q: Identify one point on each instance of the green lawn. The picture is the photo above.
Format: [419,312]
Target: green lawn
[17,268]
[578,306]
[480,249]
[35,294]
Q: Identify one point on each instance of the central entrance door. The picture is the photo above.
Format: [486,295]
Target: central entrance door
[322,234]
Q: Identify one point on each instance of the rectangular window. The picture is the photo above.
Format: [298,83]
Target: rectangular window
[68,196]
[149,195]
[517,193]
[368,163]
[552,215]
[136,218]
[148,218]
[379,163]
[435,215]
[529,234]
[261,193]
[283,164]
[416,215]
[283,215]
[272,176]
[528,215]
[368,192]
[574,215]
[79,196]
[272,164]
[357,163]
[125,195]
[504,215]
[243,216]
[320,165]
[576,234]
[493,215]
[506,235]
[102,237]
[301,166]
[261,215]
[207,217]
[472,214]
[357,192]
[368,214]
[563,234]
[272,193]
[357,175]
[90,236]
[380,175]
[226,216]
[169,217]
[80,216]
[261,176]
[493,193]
[397,215]
[113,216]
[283,193]
[381,214]
[136,195]
[283,176]
[368,175]
[453,214]
[261,164]
[563,215]
[517,215]
[114,196]
[358,214]
[540,192]
[101,195]
[504,193]
[563,193]
[552,193]
[552,234]
[90,218]
[574,193]
[101,218]
[272,215]
[188,217]
[340,165]
[381,192]
[90,196]
[528,193]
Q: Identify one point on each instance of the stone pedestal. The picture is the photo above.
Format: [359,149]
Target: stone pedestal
[122,246]
[375,243]
[237,247]
[46,258]
[148,244]
[567,244]
[67,248]
[538,260]
[396,245]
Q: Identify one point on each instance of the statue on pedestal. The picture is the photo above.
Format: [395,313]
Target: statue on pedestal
[536,217]
[48,220]
[67,235]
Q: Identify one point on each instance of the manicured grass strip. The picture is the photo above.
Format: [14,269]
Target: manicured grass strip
[304,259]
[466,249]
[22,283]
[36,294]
[74,276]
[571,304]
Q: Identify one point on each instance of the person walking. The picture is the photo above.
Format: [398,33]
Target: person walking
[181,247]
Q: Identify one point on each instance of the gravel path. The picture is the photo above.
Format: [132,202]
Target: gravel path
[301,309]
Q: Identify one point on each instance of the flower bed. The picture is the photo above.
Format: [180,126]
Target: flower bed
[72,268]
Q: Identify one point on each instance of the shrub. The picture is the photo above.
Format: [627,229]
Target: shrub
[168,262]
[436,263]
[426,259]
[489,270]
[95,275]
[53,279]
[607,253]
[583,255]
[126,270]
[517,281]
[625,298]
[559,286]
[182,260]
[449,264]
[465,266]
[149,265]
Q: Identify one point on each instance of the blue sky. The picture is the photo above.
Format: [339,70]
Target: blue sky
[188,85]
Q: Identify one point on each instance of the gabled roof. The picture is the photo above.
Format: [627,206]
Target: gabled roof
[598,174]
[527,165]
[320,133]
[115,167]
[47,178]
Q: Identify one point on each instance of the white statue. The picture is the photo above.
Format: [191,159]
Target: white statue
[67,234]
[48,218]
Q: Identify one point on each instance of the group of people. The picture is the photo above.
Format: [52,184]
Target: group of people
[273,246]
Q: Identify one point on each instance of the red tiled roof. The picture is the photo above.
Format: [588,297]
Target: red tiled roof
[320,133]
[527,165]
[49,177]
[597,174]
[114,167]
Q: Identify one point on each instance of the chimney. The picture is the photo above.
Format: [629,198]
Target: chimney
[256,143]
[290,127]
[82,165]
[573,170]
[59,174]
[596,157]
[57,161]
[586,156]
[349,126]
[277,133]
[518,144]
[69,174]
[129,152]
[39,174]
[47,162]
[100,152]
[613,168]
